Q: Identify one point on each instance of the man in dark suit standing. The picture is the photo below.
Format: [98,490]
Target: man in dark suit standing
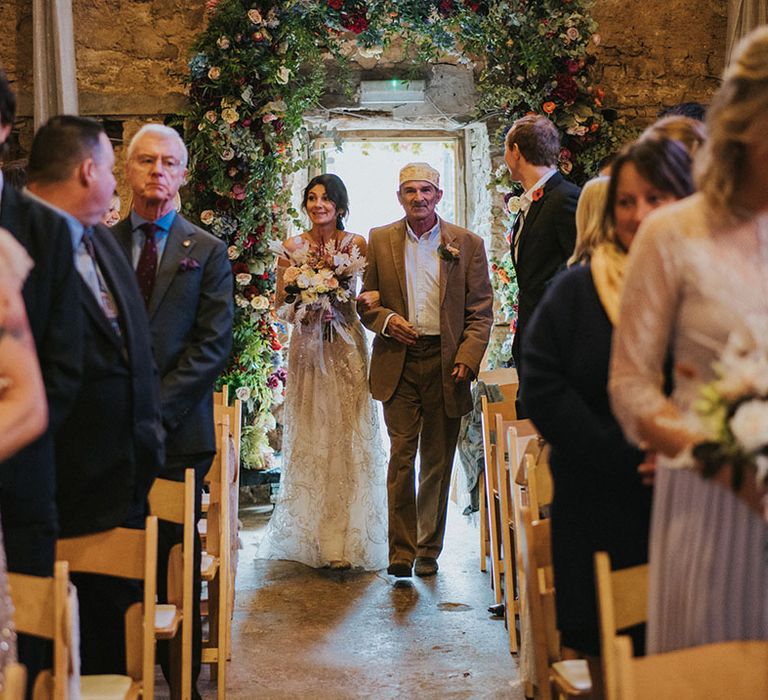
[186,281]
[52,300]
[110,447]
[544,232]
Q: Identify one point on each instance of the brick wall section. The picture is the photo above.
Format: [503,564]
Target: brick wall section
[659,52]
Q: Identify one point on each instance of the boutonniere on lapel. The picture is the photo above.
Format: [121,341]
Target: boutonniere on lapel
[448,252]
[186,264]
[536,195]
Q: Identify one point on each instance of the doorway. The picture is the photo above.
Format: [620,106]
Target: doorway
[369,162]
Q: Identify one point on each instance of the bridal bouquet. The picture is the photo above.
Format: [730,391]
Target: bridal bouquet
[318,281]
[734,410]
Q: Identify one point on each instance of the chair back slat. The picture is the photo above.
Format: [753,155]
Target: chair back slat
[735,670]
[125,553]
[622,602]
[86,554]
[41,609]
[166,500]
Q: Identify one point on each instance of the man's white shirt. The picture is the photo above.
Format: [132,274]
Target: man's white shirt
[422,280]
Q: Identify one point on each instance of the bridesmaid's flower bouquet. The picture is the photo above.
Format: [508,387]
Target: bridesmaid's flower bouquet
[318,281]
[734,411]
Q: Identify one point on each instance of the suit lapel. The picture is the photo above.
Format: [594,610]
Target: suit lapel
[9,208]
[397,241]
[179,245]
[534,210]
[447,237]
[124,235]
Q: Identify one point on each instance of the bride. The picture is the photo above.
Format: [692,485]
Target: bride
[331,511]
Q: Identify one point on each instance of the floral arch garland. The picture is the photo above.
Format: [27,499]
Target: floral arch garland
[259,65]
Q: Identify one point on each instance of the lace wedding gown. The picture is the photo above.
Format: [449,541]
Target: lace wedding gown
[689,286]
[333,499]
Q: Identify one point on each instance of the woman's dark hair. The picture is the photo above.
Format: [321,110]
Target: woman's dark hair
[663,162]
[336,192]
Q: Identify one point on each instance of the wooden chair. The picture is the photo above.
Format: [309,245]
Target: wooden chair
[489,510]
[513,435]
[622,602]
[132,554]
[727,671]
[41,610]
[215,565]
[571,677]
[14,682]
[222,408]
[506,380]
[174,501]
[504,377]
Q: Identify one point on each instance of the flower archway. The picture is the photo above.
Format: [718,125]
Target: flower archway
[259,65]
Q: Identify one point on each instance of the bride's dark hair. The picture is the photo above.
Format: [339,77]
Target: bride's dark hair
[336,192]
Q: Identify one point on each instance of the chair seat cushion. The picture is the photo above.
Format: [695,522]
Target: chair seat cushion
[104,687]
[167,618]
[209,565]
[574,674]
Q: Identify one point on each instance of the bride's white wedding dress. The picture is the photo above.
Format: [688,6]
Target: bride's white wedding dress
[332,504]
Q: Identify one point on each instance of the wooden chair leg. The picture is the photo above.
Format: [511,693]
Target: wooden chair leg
[483,523]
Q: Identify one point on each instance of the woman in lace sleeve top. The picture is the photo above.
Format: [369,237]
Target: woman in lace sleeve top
[698,272]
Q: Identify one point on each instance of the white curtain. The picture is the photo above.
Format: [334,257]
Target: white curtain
[55,74]
[743,16]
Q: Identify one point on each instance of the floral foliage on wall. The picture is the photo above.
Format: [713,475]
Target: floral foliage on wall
[259,65]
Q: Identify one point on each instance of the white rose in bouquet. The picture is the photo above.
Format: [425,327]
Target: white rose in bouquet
[749,425]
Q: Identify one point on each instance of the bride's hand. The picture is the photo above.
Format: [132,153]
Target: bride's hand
[369,300]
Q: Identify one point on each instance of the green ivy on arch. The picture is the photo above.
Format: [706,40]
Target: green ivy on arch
[260,65]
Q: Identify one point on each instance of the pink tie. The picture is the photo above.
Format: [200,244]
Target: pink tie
[146,270]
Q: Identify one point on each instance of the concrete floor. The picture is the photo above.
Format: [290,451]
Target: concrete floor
[307,633]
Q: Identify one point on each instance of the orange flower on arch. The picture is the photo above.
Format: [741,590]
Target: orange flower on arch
[549,107]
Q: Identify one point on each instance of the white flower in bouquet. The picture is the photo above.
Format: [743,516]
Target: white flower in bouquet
[749,425]
[243,393]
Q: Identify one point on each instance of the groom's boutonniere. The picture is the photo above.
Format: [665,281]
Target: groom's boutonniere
[536,195]
[448,252]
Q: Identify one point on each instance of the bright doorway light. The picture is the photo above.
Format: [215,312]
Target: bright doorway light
[369,168]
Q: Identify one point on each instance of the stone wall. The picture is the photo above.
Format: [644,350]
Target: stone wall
[131,52]
[657,53]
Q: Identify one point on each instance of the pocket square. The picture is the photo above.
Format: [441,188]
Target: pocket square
[188,264]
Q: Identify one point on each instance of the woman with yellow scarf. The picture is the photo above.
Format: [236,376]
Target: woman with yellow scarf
[599,501]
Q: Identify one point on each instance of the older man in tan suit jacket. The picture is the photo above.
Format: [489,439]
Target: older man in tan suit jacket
[432,318]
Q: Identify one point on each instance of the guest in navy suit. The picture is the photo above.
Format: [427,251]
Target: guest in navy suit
[186,282]
[52,299]
[544,232]
[110,447]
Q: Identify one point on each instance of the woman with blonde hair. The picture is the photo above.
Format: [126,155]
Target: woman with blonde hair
[690,132]
[697,276]
[590,219]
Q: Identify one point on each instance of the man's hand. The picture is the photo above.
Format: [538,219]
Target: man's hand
[647,468]
[368,300]
[402,331]
[461,373]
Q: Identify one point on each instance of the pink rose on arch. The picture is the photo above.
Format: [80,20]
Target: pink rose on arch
[238,191]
